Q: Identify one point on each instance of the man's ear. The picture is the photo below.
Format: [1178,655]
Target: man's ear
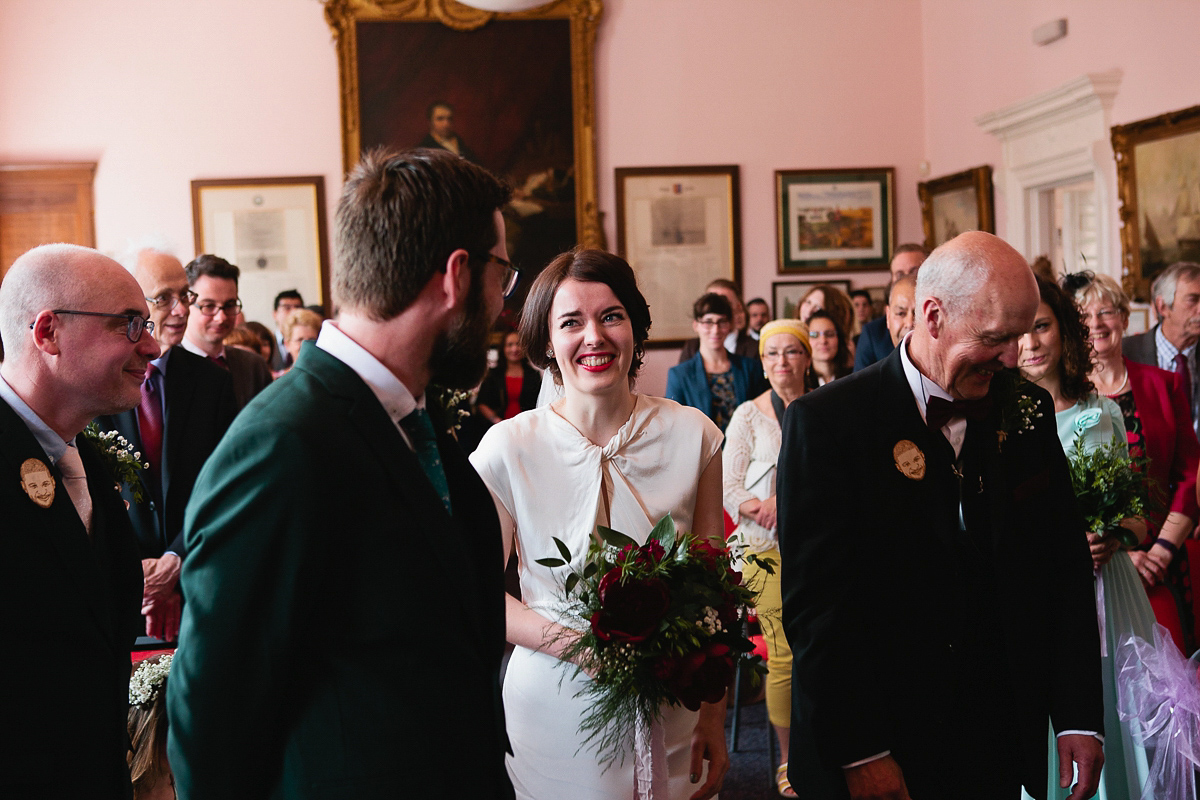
[933,316]
[1160,308]
[45,333]
[456,282]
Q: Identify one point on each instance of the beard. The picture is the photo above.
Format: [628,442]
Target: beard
[459,359]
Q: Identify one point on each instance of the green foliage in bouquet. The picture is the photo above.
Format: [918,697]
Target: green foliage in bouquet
[1109,487]
[660,624]
[124,463]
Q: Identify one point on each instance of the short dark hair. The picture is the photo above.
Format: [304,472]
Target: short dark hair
[400,216]
[287,294]
[712,303]
[860,293]
[211,266]
[1076,361]
[436,104]
[587,266]
[910,247]
[757,300]
[843,365]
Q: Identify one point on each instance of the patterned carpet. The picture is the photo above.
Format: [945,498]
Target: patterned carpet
[751,773]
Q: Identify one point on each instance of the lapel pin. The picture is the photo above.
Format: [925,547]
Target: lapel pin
[909,460]
[37,482]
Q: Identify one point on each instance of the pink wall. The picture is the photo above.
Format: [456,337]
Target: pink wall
[979,57]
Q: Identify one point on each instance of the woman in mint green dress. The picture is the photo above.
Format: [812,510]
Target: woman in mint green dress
[1055,356]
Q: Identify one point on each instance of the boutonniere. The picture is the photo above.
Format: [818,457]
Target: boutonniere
[1018,407]
[122,460]
[455,403]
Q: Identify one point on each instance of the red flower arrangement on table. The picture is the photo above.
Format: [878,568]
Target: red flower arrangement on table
[658,623]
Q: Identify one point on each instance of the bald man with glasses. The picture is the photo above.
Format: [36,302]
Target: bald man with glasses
[77,338]
[187,404]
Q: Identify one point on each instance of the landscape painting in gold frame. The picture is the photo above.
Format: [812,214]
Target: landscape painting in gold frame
[957,203]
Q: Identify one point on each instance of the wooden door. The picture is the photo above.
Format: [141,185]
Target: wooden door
[43,203]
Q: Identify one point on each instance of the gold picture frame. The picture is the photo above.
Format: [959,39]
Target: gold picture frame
[1158,181]
[952,204]
[581,19]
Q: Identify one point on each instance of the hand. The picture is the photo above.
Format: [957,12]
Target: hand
[160,602]
[708,743]
[1150,572]
[749,509]
[880,779]
[766,516]
[1086,753]
[162,617]
[1102,548]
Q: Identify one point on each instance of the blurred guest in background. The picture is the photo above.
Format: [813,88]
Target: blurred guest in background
[757,314]
[511,386]
[299,327]
[268,345]
[831,357]
[874,343]
[737,339]
[286,302]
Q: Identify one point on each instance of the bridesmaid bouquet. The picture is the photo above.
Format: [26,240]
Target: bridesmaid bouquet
[1108,488]
[660,625]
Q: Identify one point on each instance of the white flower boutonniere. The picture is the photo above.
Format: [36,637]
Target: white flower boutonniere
[1018,408]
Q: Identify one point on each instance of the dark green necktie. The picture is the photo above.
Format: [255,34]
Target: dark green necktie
[419,428]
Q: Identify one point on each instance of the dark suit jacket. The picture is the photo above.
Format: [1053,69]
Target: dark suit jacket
[905,630]
[874,344]
[1141,347]
[199,408]
[746,347]
[1171,445]
[251,374]
[493,393]
[687,383]
[463,150]
[68,618]
[321,563]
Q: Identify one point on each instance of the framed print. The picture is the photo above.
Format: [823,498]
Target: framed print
[786,295]
[678,227]
[273,230]
[835,218]
[512,92]
[1158,180]
[956,203]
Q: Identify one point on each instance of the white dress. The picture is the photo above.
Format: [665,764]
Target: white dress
[552,480]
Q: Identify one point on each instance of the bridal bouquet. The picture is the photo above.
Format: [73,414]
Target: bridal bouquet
[1108,488]
[660,624]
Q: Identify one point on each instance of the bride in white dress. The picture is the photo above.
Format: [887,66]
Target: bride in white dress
[605,455]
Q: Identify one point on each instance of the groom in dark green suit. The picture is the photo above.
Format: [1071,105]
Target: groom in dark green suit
[344,622]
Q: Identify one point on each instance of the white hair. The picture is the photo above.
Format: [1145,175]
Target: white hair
[46,277]
[154,242]
[1167,282]
[954,275]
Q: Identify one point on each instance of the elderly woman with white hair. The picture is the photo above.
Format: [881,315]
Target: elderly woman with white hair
[752,443]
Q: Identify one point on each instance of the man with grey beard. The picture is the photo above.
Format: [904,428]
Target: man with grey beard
[300,671]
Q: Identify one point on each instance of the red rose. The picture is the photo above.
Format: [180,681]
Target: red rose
[707,552]
[630,611]
[699,677]
[650,553]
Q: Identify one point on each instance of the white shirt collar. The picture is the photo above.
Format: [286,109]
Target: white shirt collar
[922,389]
[192,348]
[393,395]
[50,441]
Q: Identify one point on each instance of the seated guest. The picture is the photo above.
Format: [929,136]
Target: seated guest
[714,380]
[874,343]
[148,766]
[1158,424]
[737,340]
[864,308]
[511,386]
[268,346]
[901,309]
[757,315]
[831,357]
[286,302]
[748,476]
[299,327]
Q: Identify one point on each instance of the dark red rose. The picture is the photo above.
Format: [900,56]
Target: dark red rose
[728,614]
[707,552]
[699,677]
[630,611]
[734,576]
[650,553]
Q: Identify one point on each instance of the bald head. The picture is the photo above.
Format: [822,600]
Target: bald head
[164,283]
[975,297]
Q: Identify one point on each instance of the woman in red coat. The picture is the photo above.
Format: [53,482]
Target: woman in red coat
[1158,422]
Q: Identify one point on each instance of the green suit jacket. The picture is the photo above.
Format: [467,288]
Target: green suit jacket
[343,633]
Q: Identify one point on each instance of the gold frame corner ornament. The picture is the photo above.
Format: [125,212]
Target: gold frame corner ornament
[584,17]
[978,178]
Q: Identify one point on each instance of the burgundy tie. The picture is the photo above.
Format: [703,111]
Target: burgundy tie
[1185,375]
[150,423]
[220,361]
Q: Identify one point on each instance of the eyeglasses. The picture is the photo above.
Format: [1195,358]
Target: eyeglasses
[209,308]
[791,352]
[171,299]
[512,275]
[707,324]
[1103,315]
[822,334]
[134,323]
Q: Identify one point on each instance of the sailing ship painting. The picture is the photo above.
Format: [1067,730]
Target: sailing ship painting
[1168,190]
